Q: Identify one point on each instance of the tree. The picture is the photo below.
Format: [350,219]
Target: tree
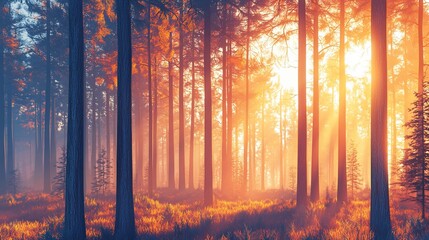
[74,227]
[301,197]
[101,183]
[354,179]
[171,182]
[208,168]
[149,69]
[124,219]
[59,181]
[314,195]
[342,158]
[415,164]
[2,110]
[380,210]
[181,104]
[47,145]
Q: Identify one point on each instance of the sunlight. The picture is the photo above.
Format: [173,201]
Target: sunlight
[358,61]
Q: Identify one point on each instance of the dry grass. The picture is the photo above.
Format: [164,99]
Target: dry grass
[31,216]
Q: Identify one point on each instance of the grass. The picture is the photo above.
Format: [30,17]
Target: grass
[40,216]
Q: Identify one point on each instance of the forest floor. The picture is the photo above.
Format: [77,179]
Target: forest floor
[181,215]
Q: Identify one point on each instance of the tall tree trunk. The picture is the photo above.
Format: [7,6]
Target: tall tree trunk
[420,91]
[281,169]
[47,145]
[208,168]
[53,142]
[171,182]
[342,158]
[10,165]
[314,195]
[246,118]
[108,149]
[2,110]
[301,197]
[181,106]
[226,159]
[229,118]
[93,141]
[124,220]
[39,147]
[149,66]
[155,127]
[380,211]
[192,131]
[263,142]
[74,226]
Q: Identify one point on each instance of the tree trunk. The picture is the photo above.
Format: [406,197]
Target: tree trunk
[380,211]
[230,119]
[226,159]
[171,181]
[149,66]
[124,220]
[342,171]
[314,195]
[93,141]
[208,168]
[192,132]
[281,141]
[420,91]
[39,147]
[2,110]
[301,198]
[263,142]
[108,149]
[74,226]
[155,127]
[10,165]
[246,118]
[47,145]
[181,106]
[53,141]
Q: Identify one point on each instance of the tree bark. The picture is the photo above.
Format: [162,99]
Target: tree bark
[181,105]
[2,109]
[74,227]
[246,118]
[171,180]
[192,130]
[301,198]
[53,141]
[124,220]
[149,66]
[342,158]
[380,211]
[155,126]
[314,195]
[47,145]
[208,170]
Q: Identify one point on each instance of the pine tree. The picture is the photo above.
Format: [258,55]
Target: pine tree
[101,181]
[59,179]
[415,164]
[354,179]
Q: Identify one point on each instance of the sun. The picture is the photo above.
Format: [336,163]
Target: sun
[358,61]
[287,76]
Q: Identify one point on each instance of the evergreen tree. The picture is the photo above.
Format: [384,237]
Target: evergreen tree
[59,179]
[415,164]
[354,179]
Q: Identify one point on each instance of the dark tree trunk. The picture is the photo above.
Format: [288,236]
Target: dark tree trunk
[229,118]
[39,147]
[208,168]
[281,169]
[314,195]
[192,132]
[181,106]
[124,219]
[47,145]
[149,66]
[226,159]
[301,197]
[108,150]
[2,110]
[263,142]
[171,182]
[246,118]
[53,141]
[74,226]
[342,171]
[93,141]
[10,165]
[420,91]
[155,127]
[380,211]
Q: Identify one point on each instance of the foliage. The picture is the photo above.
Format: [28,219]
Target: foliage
[415,177]
[354,178]
[103,172]
[59,179]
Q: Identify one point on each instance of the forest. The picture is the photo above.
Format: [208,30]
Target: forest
[214,119]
